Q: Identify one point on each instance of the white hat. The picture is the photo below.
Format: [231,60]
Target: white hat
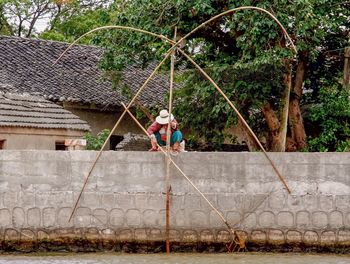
[163,117]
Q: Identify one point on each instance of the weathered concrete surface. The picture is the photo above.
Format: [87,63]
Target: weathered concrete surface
[124,200]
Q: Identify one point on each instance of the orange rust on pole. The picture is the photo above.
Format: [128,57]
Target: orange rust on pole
[239,116]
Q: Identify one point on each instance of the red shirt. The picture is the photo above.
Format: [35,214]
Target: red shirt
[155,127]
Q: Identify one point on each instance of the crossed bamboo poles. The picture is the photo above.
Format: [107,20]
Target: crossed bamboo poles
[236,238]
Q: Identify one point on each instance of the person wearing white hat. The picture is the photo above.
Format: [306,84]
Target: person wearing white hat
[158,132]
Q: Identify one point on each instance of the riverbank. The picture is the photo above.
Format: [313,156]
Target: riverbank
[237,258]
[94,246]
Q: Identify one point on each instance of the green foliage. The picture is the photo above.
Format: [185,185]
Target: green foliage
[243,52]
[70,28]
[5,28]
[96,142]
[331,117]
[212,115]
[66,19]
[22,15]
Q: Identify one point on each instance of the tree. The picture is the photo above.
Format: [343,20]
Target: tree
[246,41]
[70,28]
[331,118]
[5,28]
[73,20]
[96,142]
[24,15]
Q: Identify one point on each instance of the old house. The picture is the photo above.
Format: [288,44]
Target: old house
[75,82]
[31,122]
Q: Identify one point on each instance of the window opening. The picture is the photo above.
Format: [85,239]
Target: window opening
[60,145]
[2,143]
[114,140]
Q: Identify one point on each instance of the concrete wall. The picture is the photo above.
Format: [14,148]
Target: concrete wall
[124,200]
[36,138]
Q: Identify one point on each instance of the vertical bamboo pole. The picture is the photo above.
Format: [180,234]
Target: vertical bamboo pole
[167,179]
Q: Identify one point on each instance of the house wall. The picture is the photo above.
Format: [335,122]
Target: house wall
[124,200]
[35,138]
[99,120]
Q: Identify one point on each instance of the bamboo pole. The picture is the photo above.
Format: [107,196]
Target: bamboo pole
[167,179]
[175,44]
[131,102]
[114,128]
[239,116]
[121,117]
[114,27]
[167,54]
[235,236]
[232,11]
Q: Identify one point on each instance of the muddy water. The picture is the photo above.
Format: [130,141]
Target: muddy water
[248,258]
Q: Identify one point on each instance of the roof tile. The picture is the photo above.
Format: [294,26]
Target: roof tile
[23,110]
[26,66]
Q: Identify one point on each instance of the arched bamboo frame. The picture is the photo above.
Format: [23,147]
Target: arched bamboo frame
[174,44]
[235,10]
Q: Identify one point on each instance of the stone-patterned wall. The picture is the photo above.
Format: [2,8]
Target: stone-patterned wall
[124,199]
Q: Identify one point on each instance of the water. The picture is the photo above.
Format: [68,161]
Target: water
[247,258]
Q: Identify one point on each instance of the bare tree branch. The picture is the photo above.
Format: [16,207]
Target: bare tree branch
[23,15]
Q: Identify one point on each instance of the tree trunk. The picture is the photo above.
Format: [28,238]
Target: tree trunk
[36,15]
[298,135]
[278,124]
[56,16]
[248,138]
[31,26]
[274,141]
[287,80]
[19,30]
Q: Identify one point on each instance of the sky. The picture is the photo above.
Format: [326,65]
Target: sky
[41,24]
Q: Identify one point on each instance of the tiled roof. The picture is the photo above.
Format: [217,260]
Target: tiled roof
[26,66]
[23,110]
